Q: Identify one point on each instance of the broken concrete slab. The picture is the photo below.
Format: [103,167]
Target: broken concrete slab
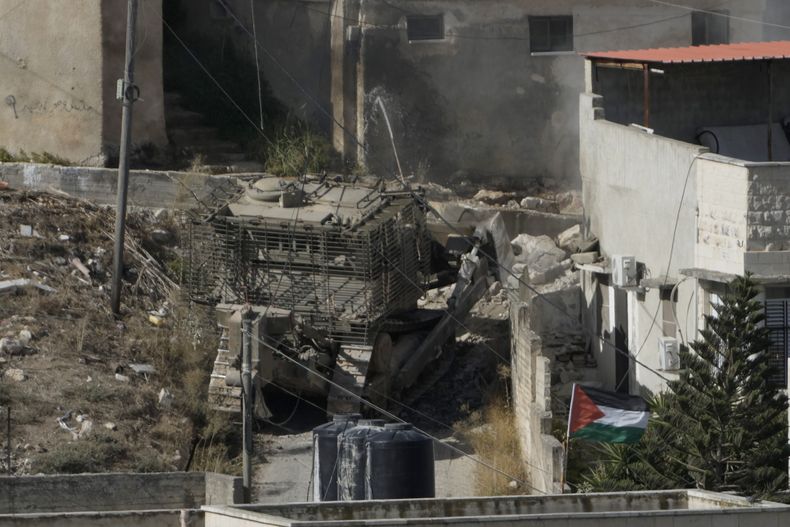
[585,258]
[571,239]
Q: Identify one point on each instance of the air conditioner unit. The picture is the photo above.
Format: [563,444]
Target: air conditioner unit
[624,271]
[668,353]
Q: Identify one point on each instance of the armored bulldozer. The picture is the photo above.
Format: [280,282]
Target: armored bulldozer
[332,272]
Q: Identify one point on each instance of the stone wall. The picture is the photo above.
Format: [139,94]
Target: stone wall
[540,334]
[115,492]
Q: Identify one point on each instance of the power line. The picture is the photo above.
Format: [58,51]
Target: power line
[390,415]
[720,14]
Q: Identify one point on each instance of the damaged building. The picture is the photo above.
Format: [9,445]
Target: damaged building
[685,163]
[482,92]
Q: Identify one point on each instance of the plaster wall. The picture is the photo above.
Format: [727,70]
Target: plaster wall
[478,104]
[58,83]
[157,518]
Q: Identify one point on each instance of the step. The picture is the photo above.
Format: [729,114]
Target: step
[178,117]
[193,135]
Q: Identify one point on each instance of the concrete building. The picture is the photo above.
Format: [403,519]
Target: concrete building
[59,62]
[481,91]
[635,509]
[678,173]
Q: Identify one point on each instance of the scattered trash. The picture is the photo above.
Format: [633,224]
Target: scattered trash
[11,286]
[25,337]
[111,426]
[64,237]
[4,185]
[142,369]
[11,346]
[26,231]
[76,262]
[165,398]
[15,374]
[156,320]
[121,377]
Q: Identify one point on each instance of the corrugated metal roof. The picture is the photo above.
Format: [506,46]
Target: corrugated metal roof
[717,53]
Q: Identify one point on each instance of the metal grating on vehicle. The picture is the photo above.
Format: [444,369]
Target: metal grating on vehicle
[342,278]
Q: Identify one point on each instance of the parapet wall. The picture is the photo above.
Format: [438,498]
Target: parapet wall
[116,492]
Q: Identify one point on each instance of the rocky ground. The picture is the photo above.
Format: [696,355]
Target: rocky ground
[88,392]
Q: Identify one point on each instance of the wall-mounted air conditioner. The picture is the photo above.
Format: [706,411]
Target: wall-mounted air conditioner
[668,353]
[624,271]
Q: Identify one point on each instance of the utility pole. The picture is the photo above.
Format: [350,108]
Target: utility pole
[8,438]
[128,93]
[246,382]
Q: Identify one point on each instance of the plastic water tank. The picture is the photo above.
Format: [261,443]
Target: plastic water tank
[325,455]
[351,450]
[399,464]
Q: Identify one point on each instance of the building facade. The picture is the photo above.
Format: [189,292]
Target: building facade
[486,91]
[678,177]
[59,63]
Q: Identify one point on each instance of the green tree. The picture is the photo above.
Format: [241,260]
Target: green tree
[722,425]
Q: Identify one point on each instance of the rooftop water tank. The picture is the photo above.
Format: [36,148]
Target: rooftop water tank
[325,455]
[351,450]
[399,464]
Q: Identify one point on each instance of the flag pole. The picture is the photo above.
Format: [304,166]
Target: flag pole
[567,442]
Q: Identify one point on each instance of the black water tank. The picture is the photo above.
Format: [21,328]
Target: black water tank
[399,464]
[351,450]
[325,455]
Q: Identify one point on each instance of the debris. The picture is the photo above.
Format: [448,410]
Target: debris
[64,237]
[542,257]
[15,374]
[26,231]
[59,260]
[571,239]
[11,286]
[80,418]
[11,346]
[76,262]
[539,204]
[25,337]
[142,369]
[584,258]
[156,320]
[165,398]
[111,426]
[121,377]
[513,484]
[494,197]
[85,429]
[4,185]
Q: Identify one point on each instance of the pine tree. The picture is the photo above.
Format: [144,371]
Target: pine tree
[722,425]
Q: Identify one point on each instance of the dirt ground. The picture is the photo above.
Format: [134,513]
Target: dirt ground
[67,367]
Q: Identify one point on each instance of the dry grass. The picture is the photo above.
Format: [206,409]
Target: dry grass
[493,435]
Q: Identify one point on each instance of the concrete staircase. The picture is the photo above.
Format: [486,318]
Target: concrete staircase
[192,136]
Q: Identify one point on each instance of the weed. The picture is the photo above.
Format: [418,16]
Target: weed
[93,454]
[494,438]
[44,158]
[298,149]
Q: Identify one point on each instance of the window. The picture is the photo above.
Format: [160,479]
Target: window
[777,320]
[668,312]
[550,33]
[710,28]
[421,27]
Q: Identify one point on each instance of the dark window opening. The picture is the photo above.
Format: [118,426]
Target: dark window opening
[425,27]
[550,33]
[669,302]
[777,320]
[710,28]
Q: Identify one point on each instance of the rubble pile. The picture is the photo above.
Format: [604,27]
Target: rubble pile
[82,386]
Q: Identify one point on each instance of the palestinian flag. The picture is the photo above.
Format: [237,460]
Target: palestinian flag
[606,417]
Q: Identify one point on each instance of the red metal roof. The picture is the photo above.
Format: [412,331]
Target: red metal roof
[717,53]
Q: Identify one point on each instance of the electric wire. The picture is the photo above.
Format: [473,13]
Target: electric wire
[720,14]
[390,415]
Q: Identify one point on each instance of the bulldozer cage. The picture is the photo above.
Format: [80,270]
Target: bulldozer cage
[340,280]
